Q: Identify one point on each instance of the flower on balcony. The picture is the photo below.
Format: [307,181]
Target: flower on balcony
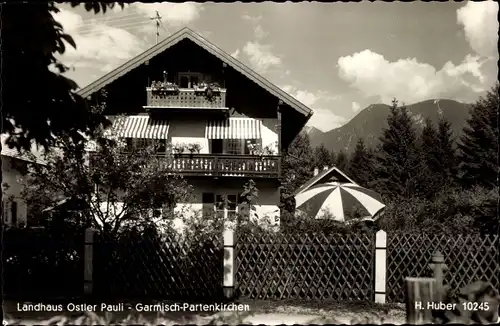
[179,148]
[164,87]
[257,149]
[210,91]
[194,148]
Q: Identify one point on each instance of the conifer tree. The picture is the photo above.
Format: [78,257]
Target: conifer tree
[342,161]
[478,146]
[323,157]
[361,164]
[399,167]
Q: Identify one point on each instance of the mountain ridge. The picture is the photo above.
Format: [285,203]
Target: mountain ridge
[369,123]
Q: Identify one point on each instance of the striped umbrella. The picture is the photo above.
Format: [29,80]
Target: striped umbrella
[339,199]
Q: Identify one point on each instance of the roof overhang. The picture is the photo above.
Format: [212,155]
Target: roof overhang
[189,34]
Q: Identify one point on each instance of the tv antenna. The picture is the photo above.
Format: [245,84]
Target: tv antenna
[157,18]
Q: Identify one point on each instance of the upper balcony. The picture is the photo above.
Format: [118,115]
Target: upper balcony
[169,95]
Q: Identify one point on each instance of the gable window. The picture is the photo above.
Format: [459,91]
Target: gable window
[189,79]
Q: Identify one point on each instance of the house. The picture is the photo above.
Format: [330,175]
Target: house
[14,168]
[326,175]
[226,123]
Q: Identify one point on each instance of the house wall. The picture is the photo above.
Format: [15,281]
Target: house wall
[267,207]
[13,178]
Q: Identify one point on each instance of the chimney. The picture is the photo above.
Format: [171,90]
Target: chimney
[316,171]
[325,167]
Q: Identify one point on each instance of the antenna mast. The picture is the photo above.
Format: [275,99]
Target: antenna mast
[157,18]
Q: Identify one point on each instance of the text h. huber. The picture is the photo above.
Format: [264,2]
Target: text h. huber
[435,305]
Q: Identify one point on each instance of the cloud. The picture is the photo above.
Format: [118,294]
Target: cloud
[101,46]
[355,106]
[260,56]
[411,81]
[253,19]
[236,54]
[259,33]
[175,14]
[323,119]
[480,23]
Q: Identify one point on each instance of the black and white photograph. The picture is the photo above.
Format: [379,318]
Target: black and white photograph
[265,163]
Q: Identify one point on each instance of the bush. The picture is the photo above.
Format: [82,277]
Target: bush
[452,211]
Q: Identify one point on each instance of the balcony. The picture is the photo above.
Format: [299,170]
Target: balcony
[216,165]
[185,98]
[227,165]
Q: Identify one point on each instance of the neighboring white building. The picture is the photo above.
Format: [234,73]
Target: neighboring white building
[14,166]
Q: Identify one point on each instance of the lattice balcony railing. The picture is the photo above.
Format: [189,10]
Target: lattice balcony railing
[185,98]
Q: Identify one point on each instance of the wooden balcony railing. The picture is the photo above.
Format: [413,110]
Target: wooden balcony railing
[217,165]
[185,98]
[227,165]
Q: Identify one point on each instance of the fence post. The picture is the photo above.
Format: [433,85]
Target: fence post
[380,266]
[88,260]
[420,293]
[229,262]
[438,268]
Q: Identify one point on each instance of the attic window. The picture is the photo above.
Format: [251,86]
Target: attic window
[189,79]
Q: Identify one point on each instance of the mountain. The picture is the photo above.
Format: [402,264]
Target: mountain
[368,124]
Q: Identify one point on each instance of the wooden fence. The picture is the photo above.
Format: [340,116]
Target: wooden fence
[357,267]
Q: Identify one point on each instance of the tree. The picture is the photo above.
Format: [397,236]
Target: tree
[297,166]
[398,163]
[323,157]
[447,152]
[39,104]
[342,161]
[429,152]
[361,164]
[116,186]
[478,146]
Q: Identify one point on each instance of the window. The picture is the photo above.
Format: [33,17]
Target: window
[208,200]
[189,79]
[222,205]
[235,147]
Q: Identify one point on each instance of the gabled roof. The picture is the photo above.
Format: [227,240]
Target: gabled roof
[189,34]
[323,176]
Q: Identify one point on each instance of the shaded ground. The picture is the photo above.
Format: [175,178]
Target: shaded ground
[261,312]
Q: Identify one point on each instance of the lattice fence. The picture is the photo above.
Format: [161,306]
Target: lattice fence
[40,264]
[305,266]
[469,258]
[172,267]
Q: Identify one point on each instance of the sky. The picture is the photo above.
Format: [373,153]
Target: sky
[336,58]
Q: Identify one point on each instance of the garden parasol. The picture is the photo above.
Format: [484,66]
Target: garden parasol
[339,199]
